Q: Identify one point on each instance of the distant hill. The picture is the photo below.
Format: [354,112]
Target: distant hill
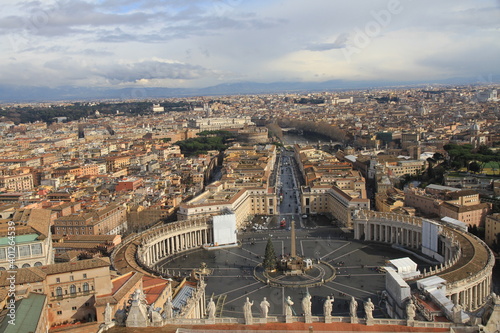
[13,94]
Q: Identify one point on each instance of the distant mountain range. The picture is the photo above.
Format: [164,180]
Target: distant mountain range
[24,94]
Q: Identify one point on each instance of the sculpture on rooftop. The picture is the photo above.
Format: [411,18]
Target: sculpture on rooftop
[306,305]
[247,312]
[369,307]
[328,306]
[353,307]
[410,310]
[211,309]
[264,307]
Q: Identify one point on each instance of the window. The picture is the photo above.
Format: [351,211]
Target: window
[58,280]
[24,251]
[72,289]
[58,291]
[85,287]
[73,308]
[71,278]
[59,312]
[2,253]
[84,275]
[36,249]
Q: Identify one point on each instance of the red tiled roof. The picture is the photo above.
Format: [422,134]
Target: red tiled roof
[153,293]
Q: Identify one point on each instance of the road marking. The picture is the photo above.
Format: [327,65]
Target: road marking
[360,290]
[239,255]
[246,295]
[348,253]
[326,255]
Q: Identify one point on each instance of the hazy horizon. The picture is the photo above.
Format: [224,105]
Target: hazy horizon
[111,44]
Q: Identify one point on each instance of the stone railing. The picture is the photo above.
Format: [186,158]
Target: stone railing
[442,267]
[373,215]
[314,319]
[150,236]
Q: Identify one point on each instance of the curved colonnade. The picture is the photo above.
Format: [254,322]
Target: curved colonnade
[173,238]
[467,262]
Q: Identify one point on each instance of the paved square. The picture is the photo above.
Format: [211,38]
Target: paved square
[232,278]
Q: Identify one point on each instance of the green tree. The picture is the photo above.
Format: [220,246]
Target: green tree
[269,257]
[474,167]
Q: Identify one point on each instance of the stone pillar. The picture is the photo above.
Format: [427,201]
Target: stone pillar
[475,297]
[153,253]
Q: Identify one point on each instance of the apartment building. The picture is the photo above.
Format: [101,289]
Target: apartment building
[107,220]
[20,182]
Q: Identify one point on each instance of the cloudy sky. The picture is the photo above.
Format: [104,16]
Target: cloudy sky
[198,43]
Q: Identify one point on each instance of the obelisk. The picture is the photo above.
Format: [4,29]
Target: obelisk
[293,253]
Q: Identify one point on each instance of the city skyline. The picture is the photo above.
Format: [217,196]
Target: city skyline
[172,44]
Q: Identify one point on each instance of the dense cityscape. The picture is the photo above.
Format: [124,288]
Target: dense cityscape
[104,214]
[208,166]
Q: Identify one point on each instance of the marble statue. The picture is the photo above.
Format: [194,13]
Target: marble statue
[353,307]
[168,309]
[410,310]
[288,306]
[108,314]
[211,309]
[306,305]
[369,307]
[247,311]
[264,307]
[328,306]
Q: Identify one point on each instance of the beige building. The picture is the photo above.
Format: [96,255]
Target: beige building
[435,200]
[466,207]
[71,287]
[21,182]
[492,229]
[107,220]
[243,202]
[342,204]
[389,200]
[331,186]
[213,124]
[426,204]
[244,187]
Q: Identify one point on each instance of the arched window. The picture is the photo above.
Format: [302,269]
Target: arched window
[85,287]
[58,291]
[37,264]
[72,289]
[26,265]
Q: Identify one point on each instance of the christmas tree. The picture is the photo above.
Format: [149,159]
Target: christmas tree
[269,257]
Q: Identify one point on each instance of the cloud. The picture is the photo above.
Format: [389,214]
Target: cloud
[339,43]
[152,69]
[116,42]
